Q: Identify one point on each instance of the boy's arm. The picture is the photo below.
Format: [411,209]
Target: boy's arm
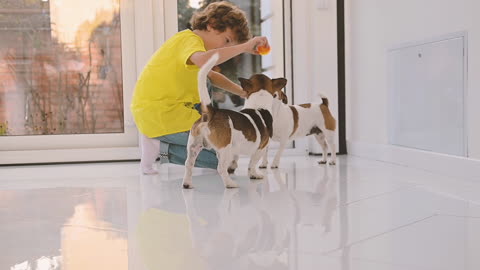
[220,81]
[226,53]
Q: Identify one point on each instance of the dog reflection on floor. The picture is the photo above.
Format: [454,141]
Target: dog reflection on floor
[257,233]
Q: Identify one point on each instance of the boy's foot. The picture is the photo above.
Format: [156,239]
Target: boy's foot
[149,171]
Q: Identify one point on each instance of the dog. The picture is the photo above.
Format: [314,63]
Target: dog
[232,133]
[297,121]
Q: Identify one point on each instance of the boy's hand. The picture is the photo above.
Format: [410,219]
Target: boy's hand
[252,44]
[220,81]
[243,94]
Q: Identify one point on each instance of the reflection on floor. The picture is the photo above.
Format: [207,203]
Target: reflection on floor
[360,214]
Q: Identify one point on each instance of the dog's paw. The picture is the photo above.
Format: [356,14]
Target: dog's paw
[187,185]
[231,170]
[332,162]
[274,166]
[262,166]
[322,162]
[231,184]
[256,176]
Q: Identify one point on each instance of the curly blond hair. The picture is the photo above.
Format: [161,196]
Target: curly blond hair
[220,16]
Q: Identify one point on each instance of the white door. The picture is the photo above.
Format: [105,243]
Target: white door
[68,70]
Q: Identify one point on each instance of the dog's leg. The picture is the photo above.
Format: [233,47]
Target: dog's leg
[264,163]
[224,159]
[323,143]
[194,146]
[330,138]
[234,165]
[276,160]
[252,166]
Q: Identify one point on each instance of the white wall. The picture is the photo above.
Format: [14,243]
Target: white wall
[373,27]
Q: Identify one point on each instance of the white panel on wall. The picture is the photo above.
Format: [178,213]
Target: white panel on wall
[427,96]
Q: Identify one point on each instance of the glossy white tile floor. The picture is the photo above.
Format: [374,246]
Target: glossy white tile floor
[358,215]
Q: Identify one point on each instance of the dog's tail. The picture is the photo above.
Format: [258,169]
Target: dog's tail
[324,99]
[202,84]
[330,122]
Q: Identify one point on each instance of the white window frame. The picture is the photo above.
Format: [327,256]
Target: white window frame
[145,25]
[141,33]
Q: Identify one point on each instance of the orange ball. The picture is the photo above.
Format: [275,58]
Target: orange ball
[263,50]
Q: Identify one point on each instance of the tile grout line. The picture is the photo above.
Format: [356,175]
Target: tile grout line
[381,194]
[380,234]
[458,216]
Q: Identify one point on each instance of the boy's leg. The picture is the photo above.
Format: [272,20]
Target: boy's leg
[150,148]
[173,149]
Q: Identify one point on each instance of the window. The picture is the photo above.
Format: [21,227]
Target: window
[60,67]
[261,15]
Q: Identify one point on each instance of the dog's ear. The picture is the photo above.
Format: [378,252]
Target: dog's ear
[283,97]
[246,84]
[279,83]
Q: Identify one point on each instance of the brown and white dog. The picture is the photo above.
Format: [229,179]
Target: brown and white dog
[232,133]
[297,121]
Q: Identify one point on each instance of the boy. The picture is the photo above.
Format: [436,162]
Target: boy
[166,91]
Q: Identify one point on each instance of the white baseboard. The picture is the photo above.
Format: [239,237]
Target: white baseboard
[466,168]
[89,155]
[68,155]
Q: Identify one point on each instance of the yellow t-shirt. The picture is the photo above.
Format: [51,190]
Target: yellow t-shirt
[167,88]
